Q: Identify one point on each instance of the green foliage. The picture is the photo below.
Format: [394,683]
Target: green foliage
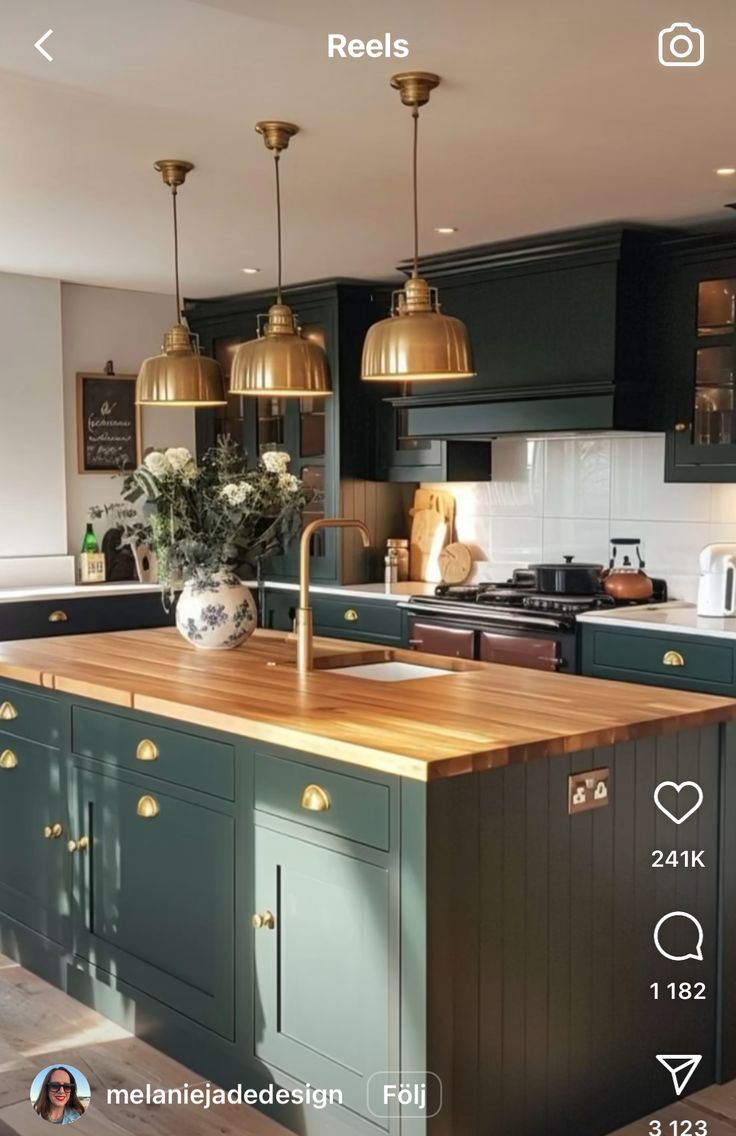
[219,514]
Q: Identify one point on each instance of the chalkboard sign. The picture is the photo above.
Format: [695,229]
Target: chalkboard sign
[108,423]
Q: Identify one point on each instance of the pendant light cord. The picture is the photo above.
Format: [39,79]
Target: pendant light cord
[176,256]
[276,157]
[415,116]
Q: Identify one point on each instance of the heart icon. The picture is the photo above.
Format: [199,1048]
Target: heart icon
[678,789]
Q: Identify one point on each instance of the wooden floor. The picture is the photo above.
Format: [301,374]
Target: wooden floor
[39,1025]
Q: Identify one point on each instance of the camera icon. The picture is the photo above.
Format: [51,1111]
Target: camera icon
[681,45]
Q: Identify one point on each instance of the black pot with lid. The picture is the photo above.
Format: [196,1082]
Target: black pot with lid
[568,579]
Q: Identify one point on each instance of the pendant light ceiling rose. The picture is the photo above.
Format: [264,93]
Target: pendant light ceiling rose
[415,87]
[280,362]
[179,375]
[173,170]
[275,134]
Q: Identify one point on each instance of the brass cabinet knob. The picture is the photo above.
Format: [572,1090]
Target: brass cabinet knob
[316,799]
[8,760]
[681,427]
[147,750]
[267,921]
[673,659]
[8,712]
[80,845]
[58,617]
[350,615]
[53,831]
[148,806]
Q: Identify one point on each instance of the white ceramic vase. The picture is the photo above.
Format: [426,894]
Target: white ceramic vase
[216,611]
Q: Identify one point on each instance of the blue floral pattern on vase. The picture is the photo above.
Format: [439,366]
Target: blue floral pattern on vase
[216,611]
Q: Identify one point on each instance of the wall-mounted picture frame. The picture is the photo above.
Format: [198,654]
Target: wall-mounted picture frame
[108,423]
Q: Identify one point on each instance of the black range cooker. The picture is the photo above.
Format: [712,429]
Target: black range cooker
[511,623]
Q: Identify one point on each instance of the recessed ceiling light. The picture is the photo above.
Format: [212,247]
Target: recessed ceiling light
[250,271]
[445,230]
[726,171]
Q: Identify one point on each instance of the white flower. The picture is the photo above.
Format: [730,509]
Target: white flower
[179,458]
[276,461]
[288,482]
[236,493]
[157,463]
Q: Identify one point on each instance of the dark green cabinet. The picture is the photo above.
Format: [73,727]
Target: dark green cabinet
[33,858]
[323,987]
[377,621]
[153,893]
[659,658]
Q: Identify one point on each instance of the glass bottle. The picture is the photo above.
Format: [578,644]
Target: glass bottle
[89,542]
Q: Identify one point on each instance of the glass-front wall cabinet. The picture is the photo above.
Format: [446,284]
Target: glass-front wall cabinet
[698,334]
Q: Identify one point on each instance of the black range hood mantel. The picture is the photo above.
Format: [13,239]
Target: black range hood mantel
[558,326]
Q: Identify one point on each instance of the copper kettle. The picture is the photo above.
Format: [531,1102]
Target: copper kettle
[626,582]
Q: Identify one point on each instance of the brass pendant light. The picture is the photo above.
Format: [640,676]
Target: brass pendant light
[417,343]
[281,362]
[180,375]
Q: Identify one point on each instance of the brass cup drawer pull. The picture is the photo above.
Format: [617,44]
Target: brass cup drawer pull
[681,427]
[315,799]
[350,615]
[8,712]
[8,759]
[80,845]
[673,659]
[267,921]
[147,807]
[53,831]
[58,617]
[147,750]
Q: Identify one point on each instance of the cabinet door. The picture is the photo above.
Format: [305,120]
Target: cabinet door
[322,976]
[155,894]
[437,639]
[33,856]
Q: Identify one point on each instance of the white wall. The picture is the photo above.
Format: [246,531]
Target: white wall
[550,497]
[101,324]
[32,496]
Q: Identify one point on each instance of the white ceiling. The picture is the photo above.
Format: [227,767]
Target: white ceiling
[552,113]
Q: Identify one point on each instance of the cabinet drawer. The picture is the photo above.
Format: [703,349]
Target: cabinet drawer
[169,755]
[44,618]
[356,619]
[32,716]
[355,809]
[677,660]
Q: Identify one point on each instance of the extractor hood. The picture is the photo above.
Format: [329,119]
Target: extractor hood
[558,326]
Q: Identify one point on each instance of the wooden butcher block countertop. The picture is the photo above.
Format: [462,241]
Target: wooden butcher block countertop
[482,717]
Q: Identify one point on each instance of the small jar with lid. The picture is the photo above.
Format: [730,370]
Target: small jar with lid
[401,547]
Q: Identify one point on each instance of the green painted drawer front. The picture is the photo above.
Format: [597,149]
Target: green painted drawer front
[322,980]
[33,868]
[352,618]
[358,809]
[705,665]
[28,715]
[183,759]
[158,895]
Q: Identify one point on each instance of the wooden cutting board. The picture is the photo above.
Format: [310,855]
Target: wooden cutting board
[429,534]
[456,563]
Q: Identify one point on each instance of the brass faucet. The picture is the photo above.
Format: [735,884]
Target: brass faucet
[304,623]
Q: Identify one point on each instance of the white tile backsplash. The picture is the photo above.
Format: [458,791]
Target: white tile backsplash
[552,497]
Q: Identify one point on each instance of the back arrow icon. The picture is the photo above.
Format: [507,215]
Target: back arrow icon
[43,50]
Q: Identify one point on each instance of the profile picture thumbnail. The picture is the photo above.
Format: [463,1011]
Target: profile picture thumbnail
[60,1094]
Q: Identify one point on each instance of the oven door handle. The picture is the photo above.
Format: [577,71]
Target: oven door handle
[489,618]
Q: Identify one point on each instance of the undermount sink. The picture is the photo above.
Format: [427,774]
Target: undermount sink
[390,671]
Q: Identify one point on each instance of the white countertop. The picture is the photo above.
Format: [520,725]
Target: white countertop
[673,616]
[361,591]
[74,591]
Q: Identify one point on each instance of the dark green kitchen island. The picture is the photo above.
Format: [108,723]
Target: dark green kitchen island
[312,880]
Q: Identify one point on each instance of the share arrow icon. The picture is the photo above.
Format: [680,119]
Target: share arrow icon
[681,1066]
